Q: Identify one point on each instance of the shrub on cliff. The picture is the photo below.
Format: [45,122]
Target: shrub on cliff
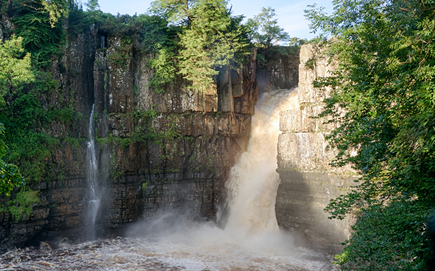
[14,71]
[385,82]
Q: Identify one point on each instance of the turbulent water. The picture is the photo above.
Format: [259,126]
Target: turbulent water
[250,240]
[254,182]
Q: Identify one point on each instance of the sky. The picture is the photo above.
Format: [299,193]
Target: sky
[290,13]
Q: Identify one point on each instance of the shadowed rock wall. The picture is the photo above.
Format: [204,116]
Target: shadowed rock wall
[157,152]
[278,68]
[308,182]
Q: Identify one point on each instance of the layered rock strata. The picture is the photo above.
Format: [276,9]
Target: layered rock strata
[157,152]
[308,182]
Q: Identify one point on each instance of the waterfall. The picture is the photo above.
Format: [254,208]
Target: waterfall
[94,195]
[251,239]
[253,182]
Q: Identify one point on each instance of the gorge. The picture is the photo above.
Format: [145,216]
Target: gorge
[135,156]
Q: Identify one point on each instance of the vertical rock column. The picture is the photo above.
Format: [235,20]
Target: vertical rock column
[308,182]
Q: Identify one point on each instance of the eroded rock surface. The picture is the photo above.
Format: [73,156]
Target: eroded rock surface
[156,152]
[308,182]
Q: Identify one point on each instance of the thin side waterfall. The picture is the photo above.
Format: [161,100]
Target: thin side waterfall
[94,198]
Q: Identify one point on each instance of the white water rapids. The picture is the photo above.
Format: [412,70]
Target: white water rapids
[250,240]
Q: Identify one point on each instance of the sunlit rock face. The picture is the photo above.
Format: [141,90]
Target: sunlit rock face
[155,152]
[308,182]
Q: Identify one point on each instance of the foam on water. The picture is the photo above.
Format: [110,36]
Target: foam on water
[159,254]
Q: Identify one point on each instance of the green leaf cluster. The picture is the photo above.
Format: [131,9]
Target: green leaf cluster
[14,65]
[14,72]
[41,36]
[22,203]
[10,176]
[208,40]
[264,29]
[174,11]
[383,100]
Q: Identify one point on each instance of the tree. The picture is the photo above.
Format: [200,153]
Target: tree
[211,42]
[210,39]
[93,5]
[55,9]
[297,41]
[14,65]
[175,11]
[385,84]
[14,71]
[265,29]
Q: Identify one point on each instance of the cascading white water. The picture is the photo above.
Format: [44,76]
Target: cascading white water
[92,178]
[254,181]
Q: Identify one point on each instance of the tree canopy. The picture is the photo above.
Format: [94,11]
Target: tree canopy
[14,65]
[385,84]
[265,29]
[175,11]
[209,40]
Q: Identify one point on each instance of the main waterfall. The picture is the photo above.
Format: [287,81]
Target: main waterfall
[253,183]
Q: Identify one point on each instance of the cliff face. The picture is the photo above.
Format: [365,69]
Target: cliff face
[308,182]
[277,68]
[155,152]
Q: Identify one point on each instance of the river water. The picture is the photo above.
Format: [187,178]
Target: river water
[250,239]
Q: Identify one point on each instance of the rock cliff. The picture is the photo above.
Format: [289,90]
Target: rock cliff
[277,68]
[308,182]
[156,152]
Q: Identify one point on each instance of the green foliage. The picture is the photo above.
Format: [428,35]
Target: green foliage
[398,228]
[311,63]
[23,203]
[93,5]
[41,37]
[14,66]
[385,85]
[144,133]
[169,134]
[264,29]
[209,39]
[175,11]
[25,118]
[55,9]
[297,41]
[146,32]
[9,174]
[164,67]
[119,59]
[14,72]
[211,42]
